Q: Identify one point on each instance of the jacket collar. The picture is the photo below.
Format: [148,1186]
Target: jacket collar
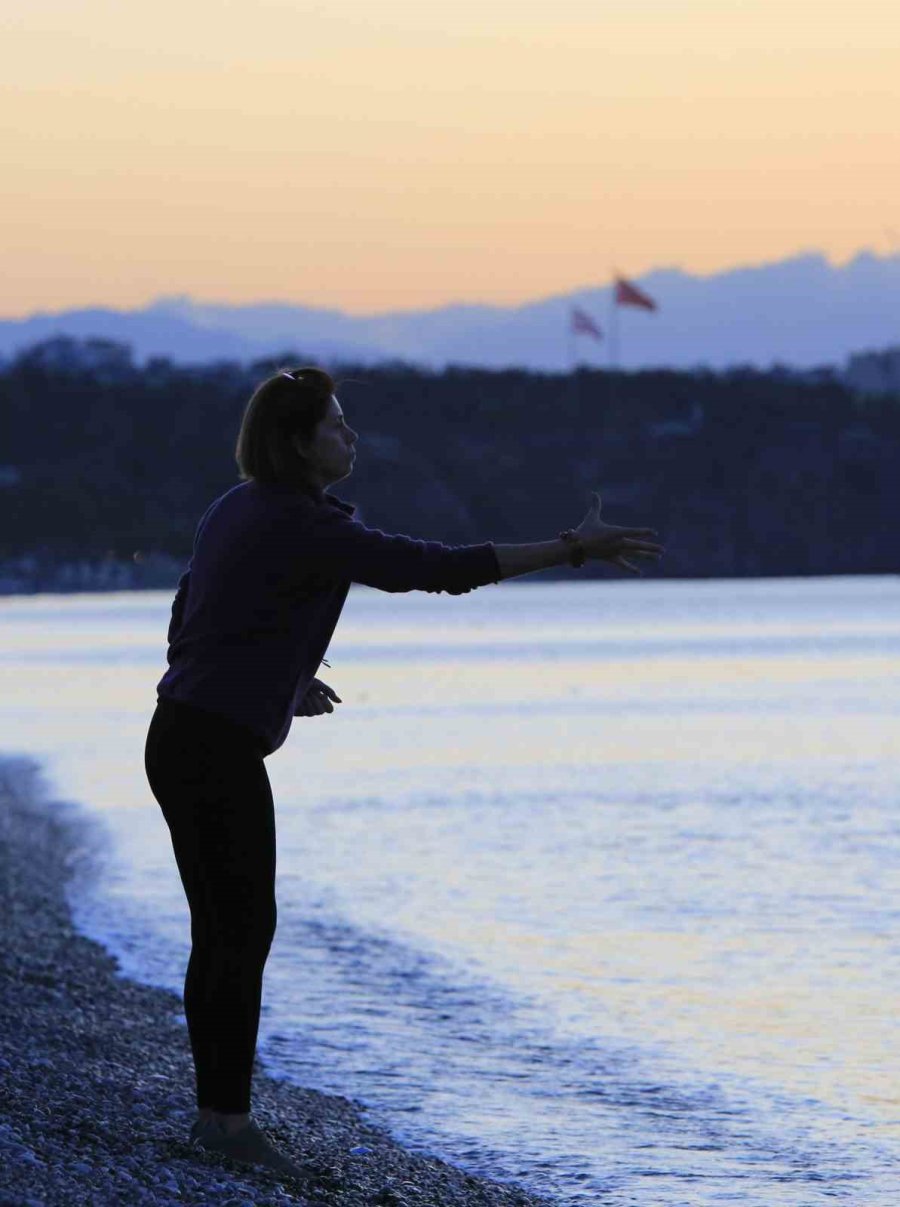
[326,497]
[349,508]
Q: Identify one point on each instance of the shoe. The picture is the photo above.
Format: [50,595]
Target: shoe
[247,1145]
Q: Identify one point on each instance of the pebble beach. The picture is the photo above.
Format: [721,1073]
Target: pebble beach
[97,1078]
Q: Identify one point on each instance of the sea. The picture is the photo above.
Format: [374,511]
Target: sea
[592,886]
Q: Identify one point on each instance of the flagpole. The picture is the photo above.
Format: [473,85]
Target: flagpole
[613,337]
[613,327]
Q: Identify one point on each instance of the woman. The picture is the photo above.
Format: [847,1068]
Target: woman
[253,614]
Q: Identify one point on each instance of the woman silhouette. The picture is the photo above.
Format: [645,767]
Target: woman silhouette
[273,560]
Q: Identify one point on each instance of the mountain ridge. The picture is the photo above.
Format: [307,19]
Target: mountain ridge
[801,311]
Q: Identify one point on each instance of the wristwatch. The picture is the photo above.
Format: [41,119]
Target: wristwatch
[577,554]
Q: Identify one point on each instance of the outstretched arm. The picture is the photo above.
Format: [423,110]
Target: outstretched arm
[341,548]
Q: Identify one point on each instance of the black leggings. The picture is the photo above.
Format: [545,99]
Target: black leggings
[208,775]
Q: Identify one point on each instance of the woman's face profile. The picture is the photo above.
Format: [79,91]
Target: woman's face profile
[330,453]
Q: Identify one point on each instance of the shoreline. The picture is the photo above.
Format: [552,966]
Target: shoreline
[98,1080]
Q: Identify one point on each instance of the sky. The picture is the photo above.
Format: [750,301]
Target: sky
[377,155]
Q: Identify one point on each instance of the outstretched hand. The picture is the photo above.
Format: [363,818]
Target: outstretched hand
[317,700]
[609,543]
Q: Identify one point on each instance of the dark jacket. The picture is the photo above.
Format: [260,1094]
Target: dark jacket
[256,607]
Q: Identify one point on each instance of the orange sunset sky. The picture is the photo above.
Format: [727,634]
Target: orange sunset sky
[402,154]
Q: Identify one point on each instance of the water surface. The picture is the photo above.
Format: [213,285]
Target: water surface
[592,885]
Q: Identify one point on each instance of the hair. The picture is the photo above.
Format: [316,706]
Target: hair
[290,404]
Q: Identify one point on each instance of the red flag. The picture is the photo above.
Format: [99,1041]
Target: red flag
[583,324]
[628,294]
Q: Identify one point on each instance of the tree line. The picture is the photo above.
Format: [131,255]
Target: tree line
[744,472]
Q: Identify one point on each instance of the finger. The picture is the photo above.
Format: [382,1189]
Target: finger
[648,547]
[625,565]
[598,503]
[332,693]
[639,533]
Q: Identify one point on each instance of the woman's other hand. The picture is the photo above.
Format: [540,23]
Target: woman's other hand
[318,700]
[608,543]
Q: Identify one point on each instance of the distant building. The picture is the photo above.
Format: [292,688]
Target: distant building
[874,372]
